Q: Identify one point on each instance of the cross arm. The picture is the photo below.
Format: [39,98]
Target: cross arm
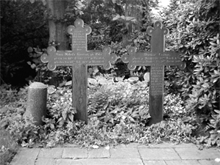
[145,58]
[135,58]
[172,58]
[49,58]
[72,58]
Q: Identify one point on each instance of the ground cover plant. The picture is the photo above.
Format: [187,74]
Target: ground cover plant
[9,109]
[8,147]
[118,113]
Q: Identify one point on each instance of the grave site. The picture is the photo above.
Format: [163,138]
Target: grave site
[113,84]
[157,58]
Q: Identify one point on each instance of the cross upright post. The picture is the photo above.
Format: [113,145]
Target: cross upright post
[79,57]
[157,58]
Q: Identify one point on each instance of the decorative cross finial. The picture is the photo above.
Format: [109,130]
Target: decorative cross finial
[157,37]
[79,34]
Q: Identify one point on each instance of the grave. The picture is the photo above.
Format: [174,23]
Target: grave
[157,58]
[78,58]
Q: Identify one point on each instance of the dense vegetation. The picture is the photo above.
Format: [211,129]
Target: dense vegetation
[195,30]
[23,25]
[118,111]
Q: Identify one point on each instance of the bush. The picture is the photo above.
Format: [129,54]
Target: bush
[195,25]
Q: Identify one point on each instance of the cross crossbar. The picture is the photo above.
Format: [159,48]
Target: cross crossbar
[79,54]
[135,58]
[75,59]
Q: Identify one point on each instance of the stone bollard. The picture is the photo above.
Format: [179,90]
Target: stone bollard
[37,102]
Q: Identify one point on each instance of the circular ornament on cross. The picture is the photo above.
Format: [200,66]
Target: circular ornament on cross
[157,25]
[79,24]
[108,58]
[131,66]
[51,67]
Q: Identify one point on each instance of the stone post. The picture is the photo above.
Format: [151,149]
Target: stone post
[37,101]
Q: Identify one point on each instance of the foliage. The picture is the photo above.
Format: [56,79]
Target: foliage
[22,25]
[118,113]
[118,24]
[12,119]
[194,28]
[7,95]
[214,128]
[22,129]
[44,75]
[117,21]
[60,108]
[29,27]
[113,103]
[11,109]
[123,25]
[106,31]
[8,147]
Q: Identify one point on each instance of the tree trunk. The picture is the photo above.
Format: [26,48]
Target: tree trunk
[57,29]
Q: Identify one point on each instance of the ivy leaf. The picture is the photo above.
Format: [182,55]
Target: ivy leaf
[64,115]
[217,111]
[71,117]
[51,89]
[205,85]
[113,1]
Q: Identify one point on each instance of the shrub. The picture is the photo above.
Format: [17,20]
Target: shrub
[195,25]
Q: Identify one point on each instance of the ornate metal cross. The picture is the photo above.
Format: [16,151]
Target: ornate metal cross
[157,58]
[79,57]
